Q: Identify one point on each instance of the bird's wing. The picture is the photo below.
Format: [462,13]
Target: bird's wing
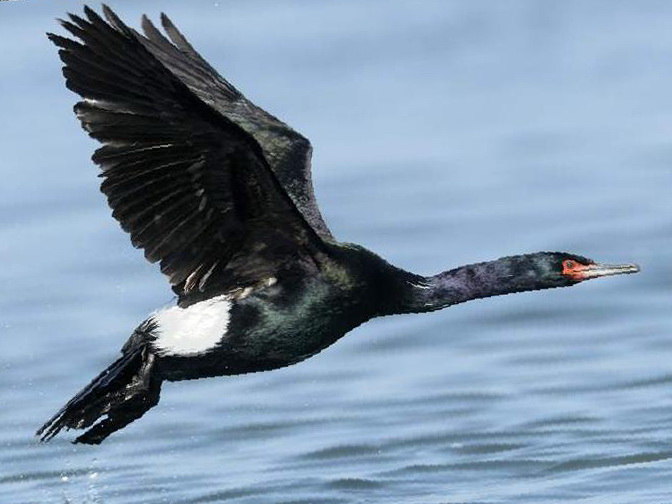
[287,152]
[192,188]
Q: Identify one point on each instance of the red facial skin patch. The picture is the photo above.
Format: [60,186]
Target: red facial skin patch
[574,269]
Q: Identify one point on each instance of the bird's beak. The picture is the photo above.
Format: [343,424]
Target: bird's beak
[595,270]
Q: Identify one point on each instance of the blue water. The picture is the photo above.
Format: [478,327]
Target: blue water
[445,132]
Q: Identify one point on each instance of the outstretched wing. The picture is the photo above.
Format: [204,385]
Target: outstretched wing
[287,152]
[192,188]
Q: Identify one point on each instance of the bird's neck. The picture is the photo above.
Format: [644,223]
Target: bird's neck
[473,281]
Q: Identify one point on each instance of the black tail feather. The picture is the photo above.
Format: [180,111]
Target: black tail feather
[124,392]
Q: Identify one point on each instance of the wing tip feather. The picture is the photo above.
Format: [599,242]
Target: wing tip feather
[150,30]
[169,26]
[115,21]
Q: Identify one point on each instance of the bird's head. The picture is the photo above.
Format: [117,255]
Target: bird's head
[566,269]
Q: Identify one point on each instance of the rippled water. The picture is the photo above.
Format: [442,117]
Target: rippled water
[445,132]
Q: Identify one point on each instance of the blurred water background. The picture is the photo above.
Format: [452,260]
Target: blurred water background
[445,132]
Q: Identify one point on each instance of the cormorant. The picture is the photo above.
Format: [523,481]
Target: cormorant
[218,192]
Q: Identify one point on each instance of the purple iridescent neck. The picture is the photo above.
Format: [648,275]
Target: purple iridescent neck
[494,278]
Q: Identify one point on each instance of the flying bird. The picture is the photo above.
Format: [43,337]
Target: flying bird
[219,193]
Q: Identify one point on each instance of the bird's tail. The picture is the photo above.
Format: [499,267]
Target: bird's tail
[124,392]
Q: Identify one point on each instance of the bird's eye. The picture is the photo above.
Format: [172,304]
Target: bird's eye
[568,264]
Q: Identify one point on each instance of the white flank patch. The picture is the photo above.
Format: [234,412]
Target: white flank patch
[192,330]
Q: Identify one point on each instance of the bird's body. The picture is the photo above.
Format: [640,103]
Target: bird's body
[219,192]
[277,323]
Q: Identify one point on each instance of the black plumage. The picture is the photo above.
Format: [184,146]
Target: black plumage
[219,192]
[189,184]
